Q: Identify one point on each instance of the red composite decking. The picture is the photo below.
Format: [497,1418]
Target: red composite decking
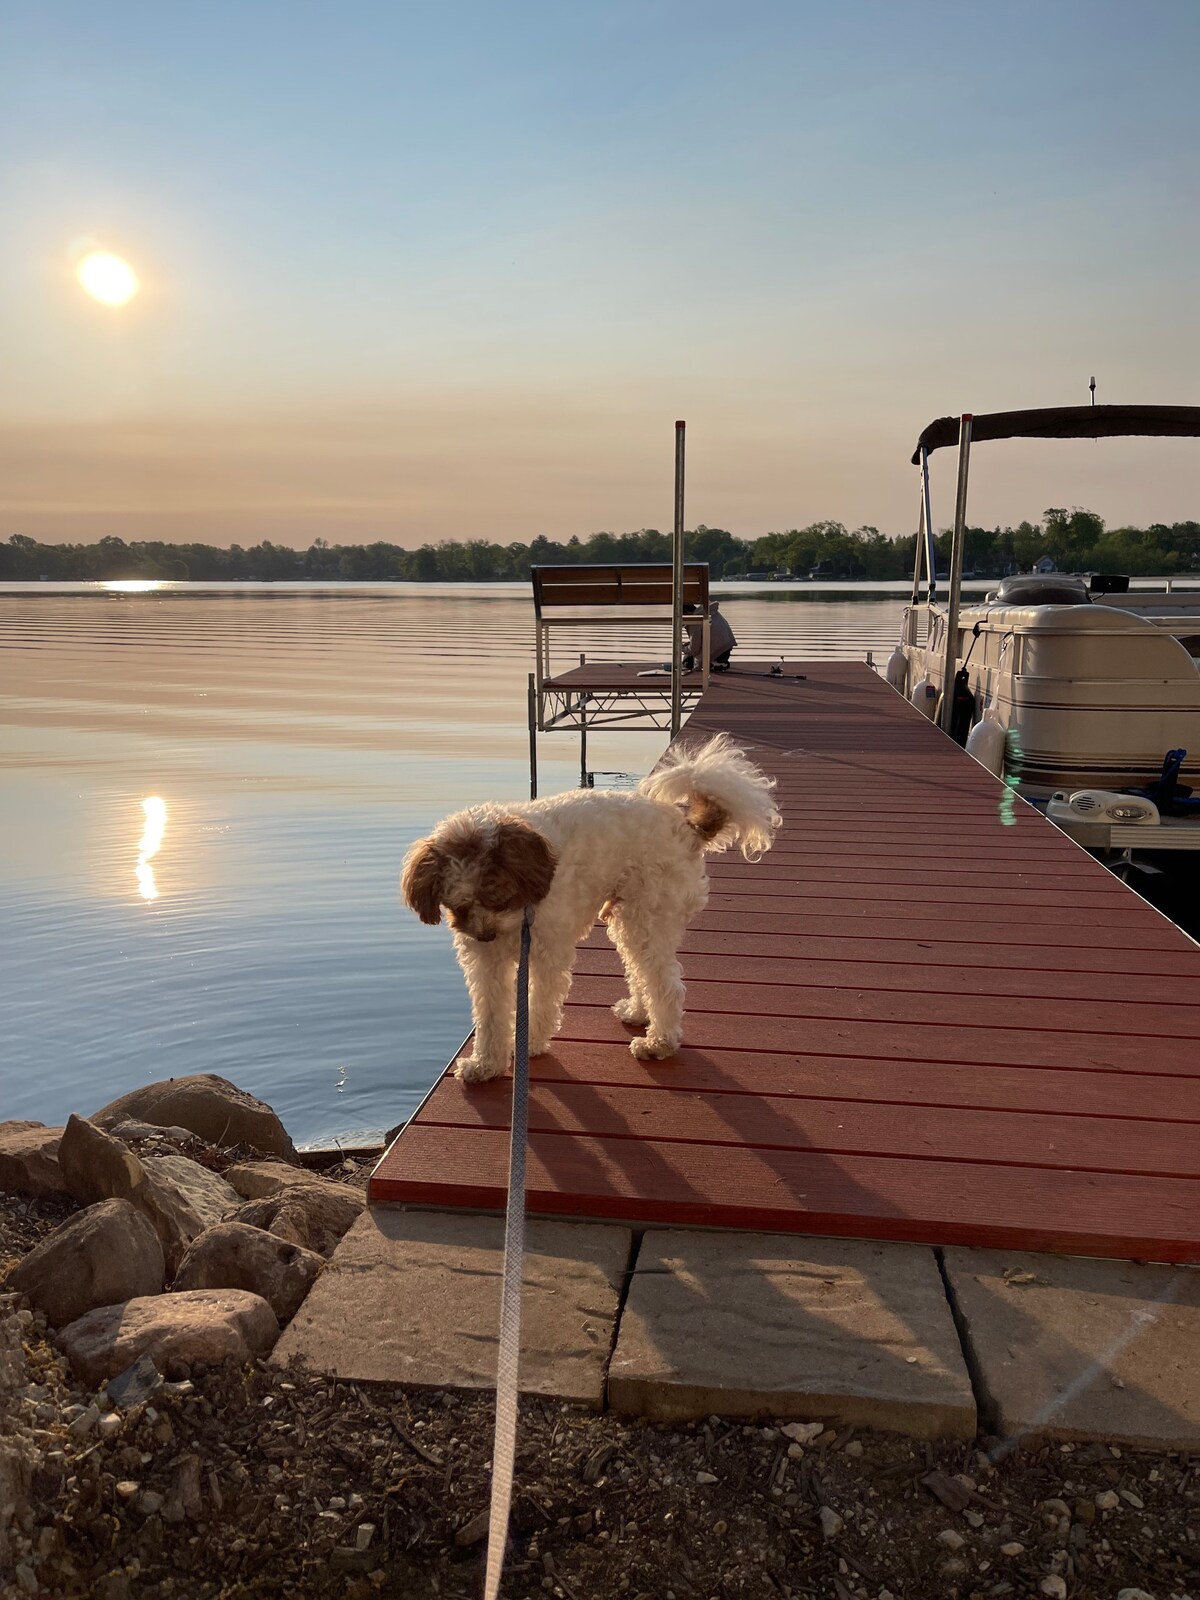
[912,1020]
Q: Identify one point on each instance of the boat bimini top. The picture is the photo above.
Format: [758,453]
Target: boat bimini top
[1048,422]
[1066,422]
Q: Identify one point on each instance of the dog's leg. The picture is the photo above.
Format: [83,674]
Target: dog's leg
[648,944]
[552,955]
[491,974]
[633,1009]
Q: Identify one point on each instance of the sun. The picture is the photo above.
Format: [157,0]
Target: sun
[106,277]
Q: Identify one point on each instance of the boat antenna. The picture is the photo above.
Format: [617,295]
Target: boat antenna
[1092,387]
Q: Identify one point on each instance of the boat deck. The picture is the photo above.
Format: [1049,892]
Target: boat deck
[926,1015]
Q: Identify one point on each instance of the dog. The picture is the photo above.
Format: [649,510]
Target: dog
[637,857]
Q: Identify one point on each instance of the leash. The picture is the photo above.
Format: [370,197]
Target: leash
[508,1357]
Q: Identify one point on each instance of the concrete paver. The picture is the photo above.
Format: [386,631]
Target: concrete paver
[748,1324]
[413,1297]
[1073,1348]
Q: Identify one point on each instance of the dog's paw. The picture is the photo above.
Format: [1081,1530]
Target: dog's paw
[472,1070]
[628,1010]
[653,1049]
[540,1047]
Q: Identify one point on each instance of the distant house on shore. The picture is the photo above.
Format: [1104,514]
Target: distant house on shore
[1045,564]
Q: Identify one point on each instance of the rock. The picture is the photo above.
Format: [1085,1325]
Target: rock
[195,1197]
[180,1197]
[1012,1549]
[1133,1594]
[1107,1500]
[138,1381]
[951,1538]
[314,1215]
[707,1477]
[803,1432]
[209,1106]
[472,1532]
[1054,1586]
[206,1325]
[831,1523]
[951,1493]
[29,1159]
[232,1255]
[104,1254]
[96,1166]
[79,1427]
[854,1448]
[255,1180]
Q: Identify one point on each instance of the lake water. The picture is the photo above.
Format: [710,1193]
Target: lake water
[292,740]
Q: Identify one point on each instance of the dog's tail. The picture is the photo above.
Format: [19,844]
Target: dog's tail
[728,798]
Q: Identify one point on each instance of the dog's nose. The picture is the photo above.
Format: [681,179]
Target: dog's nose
[485,938]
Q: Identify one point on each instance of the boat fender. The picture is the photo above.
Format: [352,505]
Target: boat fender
[925,697]
[986,743]
[897,669]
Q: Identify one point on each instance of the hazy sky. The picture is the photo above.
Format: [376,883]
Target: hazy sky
[437,271]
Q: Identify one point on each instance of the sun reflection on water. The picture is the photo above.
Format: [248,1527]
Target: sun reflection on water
[152,836]
[132,585]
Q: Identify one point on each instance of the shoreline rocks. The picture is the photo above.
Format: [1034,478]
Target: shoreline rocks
[174,1330]
[209,1106]
[106,1253]
[29,1158]
[314,1215]
[168,1262]
[178,1196]
[233,1255]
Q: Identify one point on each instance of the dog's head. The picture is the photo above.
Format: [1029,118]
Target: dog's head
[482,871]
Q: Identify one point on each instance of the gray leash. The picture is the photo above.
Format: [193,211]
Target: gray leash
[508,1359]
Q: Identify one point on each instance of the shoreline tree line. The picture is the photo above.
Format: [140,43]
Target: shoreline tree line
[1074,540]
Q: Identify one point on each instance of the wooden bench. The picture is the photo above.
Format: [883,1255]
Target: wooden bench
[613,596]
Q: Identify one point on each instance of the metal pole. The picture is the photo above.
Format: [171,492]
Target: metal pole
[583,700]
[533,720]
[677,586]
[927,519]
[957,541]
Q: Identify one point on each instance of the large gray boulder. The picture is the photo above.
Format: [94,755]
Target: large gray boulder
[29,1159]
[232,1255]
[174,1330]
[314,1215]
[179,1197]
[209,1106]
[104,1254]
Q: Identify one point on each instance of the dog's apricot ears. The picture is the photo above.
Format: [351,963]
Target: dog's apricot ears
[527,858]
[421,880]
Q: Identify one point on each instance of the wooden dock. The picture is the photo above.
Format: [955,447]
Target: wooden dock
[926,1015]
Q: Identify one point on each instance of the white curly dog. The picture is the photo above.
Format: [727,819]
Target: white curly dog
[635,858]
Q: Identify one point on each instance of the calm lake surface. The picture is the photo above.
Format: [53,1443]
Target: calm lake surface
[292,740]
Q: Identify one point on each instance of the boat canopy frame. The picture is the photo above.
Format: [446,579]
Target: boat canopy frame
[1046,422]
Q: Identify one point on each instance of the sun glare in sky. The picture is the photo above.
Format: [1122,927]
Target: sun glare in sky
[107,278]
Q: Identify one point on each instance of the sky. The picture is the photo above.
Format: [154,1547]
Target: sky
[421,272]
